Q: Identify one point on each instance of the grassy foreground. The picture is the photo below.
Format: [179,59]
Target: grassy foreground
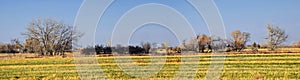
[236,66]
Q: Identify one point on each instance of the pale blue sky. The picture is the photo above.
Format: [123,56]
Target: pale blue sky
[245,15]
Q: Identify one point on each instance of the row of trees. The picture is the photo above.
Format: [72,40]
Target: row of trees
[100,49]
[51,37]
[203,43]
[276,36]
[103,50]
[238,41]
[14,47]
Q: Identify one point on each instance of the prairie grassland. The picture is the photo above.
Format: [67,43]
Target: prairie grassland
[236,66]
[292,50]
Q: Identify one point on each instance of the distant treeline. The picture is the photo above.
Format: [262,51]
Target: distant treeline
[99,49]
[48,37]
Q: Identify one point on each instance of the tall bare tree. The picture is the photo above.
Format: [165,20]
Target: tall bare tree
[50,37]
[239,39]
[275,37]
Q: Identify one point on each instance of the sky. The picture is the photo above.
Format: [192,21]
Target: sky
[244,15]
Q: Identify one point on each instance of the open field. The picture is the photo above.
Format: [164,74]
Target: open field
[237,66]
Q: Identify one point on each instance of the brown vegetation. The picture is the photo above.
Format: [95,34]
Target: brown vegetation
[239,40]
[203,41]
[298,44]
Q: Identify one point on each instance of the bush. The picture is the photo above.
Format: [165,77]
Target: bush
[88,51]
[103,50]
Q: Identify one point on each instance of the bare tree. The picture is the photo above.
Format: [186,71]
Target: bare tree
[191,45]
[298,43]
[183,43]
[203,41]
[239,39]
[50,37]
[31,45]
[275,37]
[1,47]
[165,45]
[6,48]
[146,46]
[16,44]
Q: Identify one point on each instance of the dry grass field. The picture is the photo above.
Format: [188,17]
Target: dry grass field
[282,66]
